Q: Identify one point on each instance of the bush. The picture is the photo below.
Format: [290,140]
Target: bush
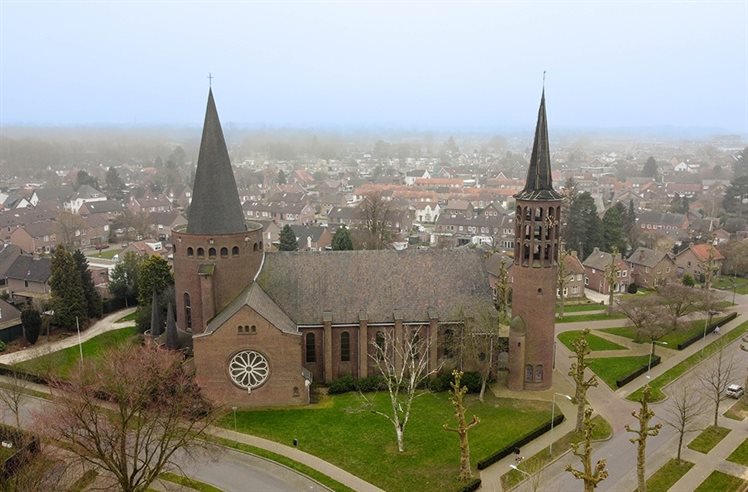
[440,382]
[32,324]
[342,385]
[509,448]
[347,384]
[688,280]
[2,346]
[472,380]
[633,288]
[630,377]
[471,486]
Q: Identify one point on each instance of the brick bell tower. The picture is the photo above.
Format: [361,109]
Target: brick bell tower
[217,254]
[535,270]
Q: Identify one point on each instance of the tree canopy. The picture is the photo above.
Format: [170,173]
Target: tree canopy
[288,239]
[584,229]
[68,293]
[341,241]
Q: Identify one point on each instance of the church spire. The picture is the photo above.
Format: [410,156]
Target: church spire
[539,184]
[215,207]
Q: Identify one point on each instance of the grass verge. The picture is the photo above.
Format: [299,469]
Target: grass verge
[188,482]
[538,461]
[576,308]
[738,411]
[665,477]
[740,455]
[678,370]
[680,335]
[611,369]
[722,482]
[709,437]
[133,316]
[576,318]
[343,430]
[725,283]
[596,343]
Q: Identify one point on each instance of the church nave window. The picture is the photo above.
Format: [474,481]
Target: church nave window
[311,348]
[224,252]
[345,347]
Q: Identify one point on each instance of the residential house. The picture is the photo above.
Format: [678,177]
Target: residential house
[650,268]
[147,247]
[28,278]
[36,237]
[427,211]
[595,266]
[479,226]
[10,322]
[412,176]
[162,223]
[575,275]
[8,254]
[149,204]
[695,260]
[674,225]
[312,238]
[281,212]
[110,208]
[270,232]
[84,194]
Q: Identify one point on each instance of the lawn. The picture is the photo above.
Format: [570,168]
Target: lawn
[611,369]
[679,369]
[673,338]
[709,437]
[665,477]
[740,455]
[133,316]
[107,253]
[738,411]
[725,283]
[575,308]
[576,318]
[344,431]
[595,342]
[722,482]
[188,482]
[59,364]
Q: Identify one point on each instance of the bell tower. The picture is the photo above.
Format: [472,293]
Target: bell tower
[535,268]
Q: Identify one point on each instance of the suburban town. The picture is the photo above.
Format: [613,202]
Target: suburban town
[228,307]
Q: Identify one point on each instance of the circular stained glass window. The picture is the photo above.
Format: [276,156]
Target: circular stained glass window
[249,369]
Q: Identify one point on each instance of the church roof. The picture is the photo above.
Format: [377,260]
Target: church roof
[539,183]
[215,207]
[254,297]
[345,283]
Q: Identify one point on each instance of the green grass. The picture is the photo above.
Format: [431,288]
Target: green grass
[595,342]
[107,253]
[721,482]
[740,455]
[188,482]
[665,477]
[611,369]
[133,316]
[672,339]
[538,461]
[61,363]
[678,370]
[84,481]
[725,283]
[575,308]
[709,437]
[344,431]
[738,411]
[576,318]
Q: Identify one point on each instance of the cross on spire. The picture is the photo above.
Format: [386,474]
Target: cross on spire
[210,80]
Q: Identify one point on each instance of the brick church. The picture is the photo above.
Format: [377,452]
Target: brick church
[264,324]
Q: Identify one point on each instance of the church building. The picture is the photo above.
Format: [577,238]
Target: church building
[264,324]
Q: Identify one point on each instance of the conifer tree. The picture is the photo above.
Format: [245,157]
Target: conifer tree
[68,294]
[341,241]
[93,299]
[288,239]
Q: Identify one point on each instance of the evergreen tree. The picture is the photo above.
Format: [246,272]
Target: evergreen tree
[32,324]
[650,168]
[153,274]
[282,177]
[124,279]
[288,239]
[341,241]
[584,230]
[736,195]
[115,186]
[93,299]
[613,232]
[68,295]
[740,166]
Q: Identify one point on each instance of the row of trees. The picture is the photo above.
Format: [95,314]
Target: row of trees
[341,240]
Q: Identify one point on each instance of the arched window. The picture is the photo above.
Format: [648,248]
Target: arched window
[449,340]
[311,348]
[260,245]
[539,373]
[174,248]
[345,347]
[528,373]
[200,252]
[224,252]
[190,251]
[212,253]
[379,340]
[254,248]
[187,312]
[235,251]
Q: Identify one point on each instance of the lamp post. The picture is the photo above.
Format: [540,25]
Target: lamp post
[649,366]
[707,322]
[553,418]
[515,467]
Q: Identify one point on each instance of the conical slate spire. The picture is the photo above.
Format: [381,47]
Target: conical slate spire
[215,207]
[155,316]
[539,185]
[172,338]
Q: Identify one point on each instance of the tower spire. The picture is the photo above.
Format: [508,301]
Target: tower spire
[215,207]
[539,183]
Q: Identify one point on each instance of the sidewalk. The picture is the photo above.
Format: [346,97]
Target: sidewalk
[108,323]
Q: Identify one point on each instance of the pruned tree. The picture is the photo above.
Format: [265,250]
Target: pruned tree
[612,273]
[93,299]
[643,416]
[123,282]
[714,377]
[403,362]
[151,409]
[12,395]
[563,279]
[456,397]
[581,350]
[68,294]
[686,406]
[583,450]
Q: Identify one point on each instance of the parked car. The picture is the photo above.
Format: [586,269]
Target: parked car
[735,391]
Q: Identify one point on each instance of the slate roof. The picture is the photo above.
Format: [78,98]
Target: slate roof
[9,315]
[664,218]
[306,284]
[646,257]
[599,260]
[31,268]
[539,183]
[215,207]
[304,231]
[104,206]
[493,263]
[7,256]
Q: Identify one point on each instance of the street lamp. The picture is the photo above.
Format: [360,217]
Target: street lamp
[553,418]
[707,322]
[649,366]
[514,467]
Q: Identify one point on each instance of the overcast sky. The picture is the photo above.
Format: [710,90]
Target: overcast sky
[419,65]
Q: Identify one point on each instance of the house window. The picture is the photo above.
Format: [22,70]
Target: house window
[187,311]
[624,273]
[586,281]
[667,270]
[539,373]
[528,373]
[224,252]
[311,348]
[25,283]
[212,253]
[235,251]
[345,347]
[200,253]
[254,248]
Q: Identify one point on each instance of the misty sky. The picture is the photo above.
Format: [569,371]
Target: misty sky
[420,65]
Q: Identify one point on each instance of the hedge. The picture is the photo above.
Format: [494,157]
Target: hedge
[627,379]
[509,448]
[12,371]
[471,486]
[345,384]
[709,329]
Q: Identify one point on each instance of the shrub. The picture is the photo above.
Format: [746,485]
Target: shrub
[2,346]
[347,384]
[471,486]
[342,385]
[688,280]
[473,381]
[440,382]
[32,324]
[633,288]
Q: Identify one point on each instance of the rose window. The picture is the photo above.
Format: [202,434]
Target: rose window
[249,369]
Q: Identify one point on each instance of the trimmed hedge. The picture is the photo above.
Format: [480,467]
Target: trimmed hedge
[627,379]
[709,329]
[471,486]
[509,448]
[436,384]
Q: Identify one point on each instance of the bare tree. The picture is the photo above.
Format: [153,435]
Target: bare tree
[643,416]
[12,394]
[404,365]
[583,450]
[686,406]
[69,228]
[612,273]
[49,469]
[457,396]
[649,317]
[152,408]
[563,279]
[576,372]
[679,300]
[714,377]
[503,291]
[482,337]
[377,214]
